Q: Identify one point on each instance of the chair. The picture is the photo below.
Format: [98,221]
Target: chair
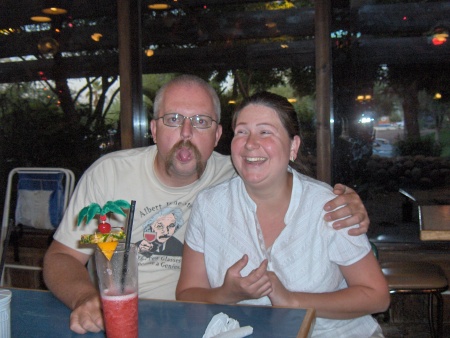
[418,278]
[37,197]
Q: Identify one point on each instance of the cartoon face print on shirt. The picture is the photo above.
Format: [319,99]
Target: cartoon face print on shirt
[158,233]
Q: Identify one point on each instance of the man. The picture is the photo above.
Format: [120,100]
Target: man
[185,129]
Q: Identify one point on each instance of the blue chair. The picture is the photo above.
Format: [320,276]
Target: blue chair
[37,197]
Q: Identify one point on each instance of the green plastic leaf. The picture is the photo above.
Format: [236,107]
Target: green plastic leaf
[122,204]
[82,214]
[93,210]
[111,206]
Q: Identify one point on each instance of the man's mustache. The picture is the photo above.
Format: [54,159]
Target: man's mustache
[189,145]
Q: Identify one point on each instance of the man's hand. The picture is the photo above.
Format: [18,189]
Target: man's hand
[351,213]
[87,316]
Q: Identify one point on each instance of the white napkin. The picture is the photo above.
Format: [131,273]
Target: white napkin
[222,326]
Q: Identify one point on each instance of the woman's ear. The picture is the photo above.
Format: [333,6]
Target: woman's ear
[295,146]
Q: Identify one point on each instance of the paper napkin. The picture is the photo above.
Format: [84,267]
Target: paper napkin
[222,326]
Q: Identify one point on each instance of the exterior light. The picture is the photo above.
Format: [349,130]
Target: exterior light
[364,98]
[149,52]
[232,102]
[437,96]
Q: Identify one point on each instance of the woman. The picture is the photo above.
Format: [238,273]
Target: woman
[260,238]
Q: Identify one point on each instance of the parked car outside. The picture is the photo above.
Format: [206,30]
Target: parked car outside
[382,147]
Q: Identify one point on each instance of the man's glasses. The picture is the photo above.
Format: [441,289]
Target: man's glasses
[177,120]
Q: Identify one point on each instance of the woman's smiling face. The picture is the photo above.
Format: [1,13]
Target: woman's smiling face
[261,147]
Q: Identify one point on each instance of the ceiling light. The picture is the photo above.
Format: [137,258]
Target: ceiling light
[159,6]
[54,7]
[48,46]
[96,37]
[54,11]
[40,18]
[439,36]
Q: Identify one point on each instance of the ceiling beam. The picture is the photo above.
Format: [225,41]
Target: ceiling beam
[257,56]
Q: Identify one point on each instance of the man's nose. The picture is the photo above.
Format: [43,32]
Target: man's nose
[186,129]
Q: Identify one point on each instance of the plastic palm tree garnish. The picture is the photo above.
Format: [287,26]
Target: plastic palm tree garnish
[106,238]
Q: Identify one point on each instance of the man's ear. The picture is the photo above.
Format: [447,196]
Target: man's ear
[218,134]
[153,130]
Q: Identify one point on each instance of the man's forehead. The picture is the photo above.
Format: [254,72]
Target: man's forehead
[184,98]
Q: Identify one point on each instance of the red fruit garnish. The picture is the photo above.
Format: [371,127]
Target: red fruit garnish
[102,218]
[104,228]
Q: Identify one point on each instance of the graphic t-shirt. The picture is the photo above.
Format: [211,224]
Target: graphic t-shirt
[160,216]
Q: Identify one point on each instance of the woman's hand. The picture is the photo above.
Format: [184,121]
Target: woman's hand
[256,285]
[279,296]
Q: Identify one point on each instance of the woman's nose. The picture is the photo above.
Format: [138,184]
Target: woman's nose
[252,142]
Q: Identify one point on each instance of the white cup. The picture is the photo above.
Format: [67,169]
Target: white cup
[5,313]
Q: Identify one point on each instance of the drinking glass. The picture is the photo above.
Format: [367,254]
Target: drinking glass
[118,284]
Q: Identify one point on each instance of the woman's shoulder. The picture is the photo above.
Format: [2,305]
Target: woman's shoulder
[223,188]
[311,183]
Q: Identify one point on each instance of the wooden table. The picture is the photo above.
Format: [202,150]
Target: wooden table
[440,196]
[434,222]
[37,313]
[434,212]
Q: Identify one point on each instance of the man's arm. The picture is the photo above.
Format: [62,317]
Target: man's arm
[67,278]
[352,212]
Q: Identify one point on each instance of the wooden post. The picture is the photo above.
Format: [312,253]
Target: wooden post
[323,89]
[133,118]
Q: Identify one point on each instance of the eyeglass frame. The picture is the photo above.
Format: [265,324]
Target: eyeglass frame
[187,117]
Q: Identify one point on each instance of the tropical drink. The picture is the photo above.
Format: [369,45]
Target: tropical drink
[117,273]
[121,315]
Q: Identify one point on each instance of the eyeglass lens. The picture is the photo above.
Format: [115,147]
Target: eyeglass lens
[198,121]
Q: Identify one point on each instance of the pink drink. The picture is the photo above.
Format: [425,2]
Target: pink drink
[121,315]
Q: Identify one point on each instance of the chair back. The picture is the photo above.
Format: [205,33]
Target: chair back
[36,198]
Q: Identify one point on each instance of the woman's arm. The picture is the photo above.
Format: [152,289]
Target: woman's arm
[367,293]
[193,284]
